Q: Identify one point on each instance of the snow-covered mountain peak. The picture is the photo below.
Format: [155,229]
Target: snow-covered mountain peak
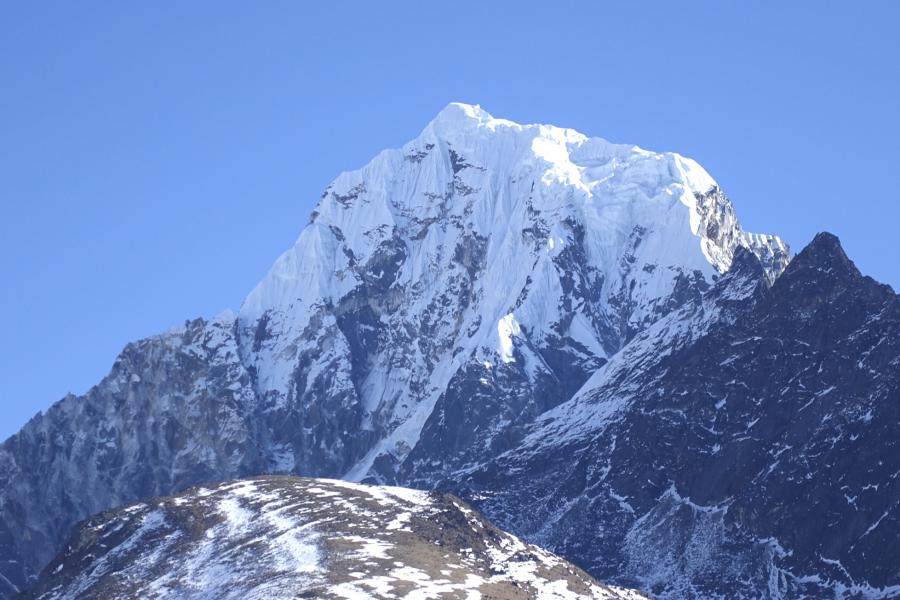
[459,114]
[480,173]
[487,242]
[564,149]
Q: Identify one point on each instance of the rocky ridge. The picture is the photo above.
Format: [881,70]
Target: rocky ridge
[744,446]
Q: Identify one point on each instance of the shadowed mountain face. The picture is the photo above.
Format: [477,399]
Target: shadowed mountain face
[577,336]
[752,457]
[283,537]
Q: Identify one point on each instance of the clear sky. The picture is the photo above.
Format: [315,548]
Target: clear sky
[156,157]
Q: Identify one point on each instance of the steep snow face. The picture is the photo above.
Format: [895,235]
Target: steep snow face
[482,242]
[279,537]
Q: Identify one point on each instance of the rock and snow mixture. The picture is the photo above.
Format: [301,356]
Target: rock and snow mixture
[283,537]
[576,336]
[438,301]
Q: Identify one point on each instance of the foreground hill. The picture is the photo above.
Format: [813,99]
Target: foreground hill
[282,537]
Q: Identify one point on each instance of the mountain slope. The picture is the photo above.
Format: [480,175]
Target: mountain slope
[440,299]
[746,447]
[283,537]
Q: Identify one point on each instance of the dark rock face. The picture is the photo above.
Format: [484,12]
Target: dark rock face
[758,459]
[284,537]
[119,443]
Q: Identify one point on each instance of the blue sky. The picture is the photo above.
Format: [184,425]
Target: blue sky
[155,158]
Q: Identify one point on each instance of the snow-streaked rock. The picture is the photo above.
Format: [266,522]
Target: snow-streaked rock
[277,538]
[744,446]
